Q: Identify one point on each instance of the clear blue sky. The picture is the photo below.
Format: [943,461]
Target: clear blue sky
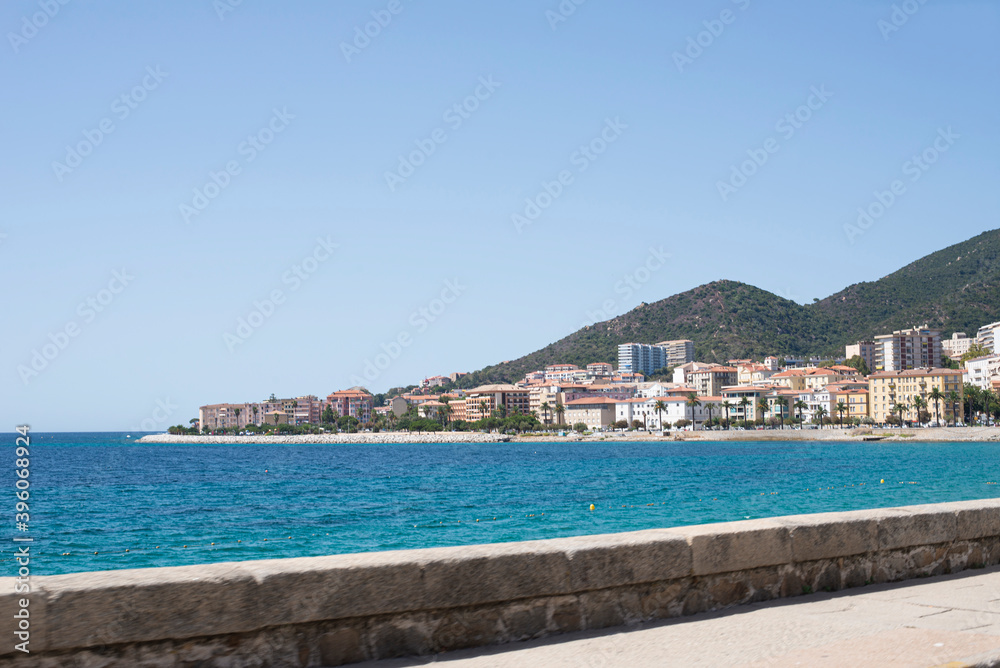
[198,81]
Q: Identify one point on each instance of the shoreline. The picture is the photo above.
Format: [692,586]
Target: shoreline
[982,434]
[331,439]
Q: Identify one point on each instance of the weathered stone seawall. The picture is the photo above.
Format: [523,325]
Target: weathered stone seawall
[328,611]
[367,437]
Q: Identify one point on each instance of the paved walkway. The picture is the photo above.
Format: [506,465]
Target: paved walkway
[952,620]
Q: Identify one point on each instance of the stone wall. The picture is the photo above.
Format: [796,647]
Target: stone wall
[327,611]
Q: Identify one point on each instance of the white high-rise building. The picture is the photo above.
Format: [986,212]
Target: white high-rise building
[648,358]
[986,336]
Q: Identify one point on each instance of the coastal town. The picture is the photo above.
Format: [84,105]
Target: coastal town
[910,377]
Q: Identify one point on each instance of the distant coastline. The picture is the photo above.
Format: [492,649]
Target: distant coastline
[827,434]
[365,437]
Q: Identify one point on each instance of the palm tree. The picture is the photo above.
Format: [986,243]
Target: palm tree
[560,411]
[954,399]
[237,411]
[818,415]
[660,407]
[762,409]
[900,408]
[692,402]
[800,406]
[427,411]
[936,395]
[445,413]
[920,404]
[841,407]
[744,402]
[709,407]
[254,409]
[727,405]
[782,404]
[545,411]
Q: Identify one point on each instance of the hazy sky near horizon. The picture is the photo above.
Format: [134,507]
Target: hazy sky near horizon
[474,180]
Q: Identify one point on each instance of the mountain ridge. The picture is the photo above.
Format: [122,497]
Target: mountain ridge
[954,289]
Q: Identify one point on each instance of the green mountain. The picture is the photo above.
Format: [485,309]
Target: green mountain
[955,289]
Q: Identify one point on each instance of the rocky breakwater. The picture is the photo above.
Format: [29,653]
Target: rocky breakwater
[367,437]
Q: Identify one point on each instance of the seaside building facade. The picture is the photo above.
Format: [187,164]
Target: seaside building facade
[355,402]
[595,412]
[886,389]
[481,402]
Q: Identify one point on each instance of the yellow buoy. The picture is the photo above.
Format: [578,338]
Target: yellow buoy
[591,506]
[882,480]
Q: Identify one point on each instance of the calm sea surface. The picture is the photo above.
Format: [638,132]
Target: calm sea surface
[94,496]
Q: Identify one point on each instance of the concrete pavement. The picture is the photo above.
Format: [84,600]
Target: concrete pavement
[951,620]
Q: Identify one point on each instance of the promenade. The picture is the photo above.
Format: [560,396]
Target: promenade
[950,620]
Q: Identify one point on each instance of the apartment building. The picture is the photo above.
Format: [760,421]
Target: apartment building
[681,372]
[482,401]
[982,371]
[957,345]
[793,379]
[986,336]
[595,412]
[888,388]
[709,382]
[649,358]
[751,393]
[863,349]
[355,402]
[915,348]
[297,410]
[675,408]
[600,370]
[225,416]
[679,351]
[856,400]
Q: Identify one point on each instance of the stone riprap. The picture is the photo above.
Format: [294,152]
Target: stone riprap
[366,437]
[327,611]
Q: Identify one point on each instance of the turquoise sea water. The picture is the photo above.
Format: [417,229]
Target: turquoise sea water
[102,493]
